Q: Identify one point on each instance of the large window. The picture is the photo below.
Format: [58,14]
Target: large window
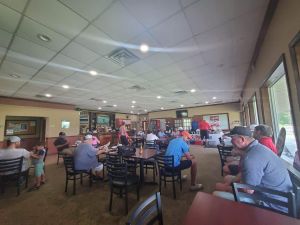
[253,113]
[281,111]
[187,124]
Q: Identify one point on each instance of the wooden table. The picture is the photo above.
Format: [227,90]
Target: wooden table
[207,209]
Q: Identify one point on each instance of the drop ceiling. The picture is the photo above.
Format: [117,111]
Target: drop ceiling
[204,45]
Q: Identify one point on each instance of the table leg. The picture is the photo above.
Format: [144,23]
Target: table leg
[142,171]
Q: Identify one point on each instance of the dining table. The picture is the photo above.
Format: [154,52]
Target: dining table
[207,209]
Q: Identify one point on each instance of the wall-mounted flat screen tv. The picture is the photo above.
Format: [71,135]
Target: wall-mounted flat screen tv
[181,113]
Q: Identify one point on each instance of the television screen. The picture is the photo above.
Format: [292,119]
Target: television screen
[103,120]
[65,124]
[181,113]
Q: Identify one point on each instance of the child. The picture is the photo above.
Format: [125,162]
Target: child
[38,161]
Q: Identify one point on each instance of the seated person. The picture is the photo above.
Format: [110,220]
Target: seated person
[263,134]
[96,141]
[13,151]
[85,156]
[259,166]
[175,133]
[161,134]
[150,136]
[61,142]
[179,148]
[38,156]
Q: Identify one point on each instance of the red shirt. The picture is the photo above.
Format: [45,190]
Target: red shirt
[204,125]
[268,142]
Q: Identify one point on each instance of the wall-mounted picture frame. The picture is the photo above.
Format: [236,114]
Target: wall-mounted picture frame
[20,127]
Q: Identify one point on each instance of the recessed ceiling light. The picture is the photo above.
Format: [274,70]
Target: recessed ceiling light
[133,102]
[93,72]
[162,108]
[193,90]
[99,108]
[48,95]
[138,113]
[65,86]
[206,102]
[114,105]
[131,111]
[43,37]
[14,76]
[132,106]
[181,105]
[214,98]
[158,97]
[104,101]
[144,48]
[145,110]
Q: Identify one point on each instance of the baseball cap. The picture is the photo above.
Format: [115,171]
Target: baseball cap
[239,130]
[180,128]
[14,139]
[186,134]
[88,136]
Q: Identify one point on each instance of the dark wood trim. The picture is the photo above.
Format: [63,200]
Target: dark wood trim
[261,37]
[34,103]
[262,105]
[227,103]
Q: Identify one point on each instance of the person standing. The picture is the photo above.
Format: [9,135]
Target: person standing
[204,128]
[123,134]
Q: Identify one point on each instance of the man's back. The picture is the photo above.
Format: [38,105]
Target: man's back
[151,137]
[177,147]
[85,157]
[261,167]
[16,153]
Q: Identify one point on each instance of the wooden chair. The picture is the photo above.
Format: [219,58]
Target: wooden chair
[296,189]
[121,181]
[73,175]
[11,169]
[167,172]
[224,152]
[59,156]
[148,212]
[277,201]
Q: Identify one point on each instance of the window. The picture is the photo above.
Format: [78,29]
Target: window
[281,112]
[255,111]
[178,123]
[187,124]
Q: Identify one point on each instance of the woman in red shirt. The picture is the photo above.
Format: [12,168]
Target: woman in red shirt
[263,134]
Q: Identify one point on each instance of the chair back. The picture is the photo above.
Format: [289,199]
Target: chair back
[69,164]
[117,171]
[46,153]
[224,152]
[148,212]
[280,143]
[296,189]
[277,201]
[164,162]
[11,166]
[113,158]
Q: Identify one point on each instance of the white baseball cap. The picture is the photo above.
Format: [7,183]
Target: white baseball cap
[88,136]
[180,128]
[14,139]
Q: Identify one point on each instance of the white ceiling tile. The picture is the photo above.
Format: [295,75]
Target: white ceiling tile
[170,69]
[64,21]
[187,2]
[96,40]
[158,60]
[172,31]
[15,4]
[8,19]
[80,53]
[139,67]
[63,65]
[152,12]
[8,84]
[33,88]
[191,62]
[4,38]
[23,72]
[29,53]
[29,29]
[88,9]
[104,65]
[125,73]
[119,23]
[50,78]
[184,49]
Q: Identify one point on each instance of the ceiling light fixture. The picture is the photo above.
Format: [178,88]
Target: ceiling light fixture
[114,105]
[133,102]
[144,48]
[193,90]
[43,37]
[159,97]
[93,73]
[131,111]
[132,106]
[48,95]
[206,102]
[162,108]
[145,110]
[214,98]
[99,108]
[66,86]
[181,106]
[104,101]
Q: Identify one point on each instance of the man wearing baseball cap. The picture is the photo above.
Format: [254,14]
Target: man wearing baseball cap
[259,166]
[85,156]
[179,148]
[13,151]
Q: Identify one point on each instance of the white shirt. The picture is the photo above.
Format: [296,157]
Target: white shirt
[151,137]
[10,153]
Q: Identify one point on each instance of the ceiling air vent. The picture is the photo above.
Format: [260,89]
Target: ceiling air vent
[122,56]
[40,96]
[173,101]
[137,87]
[180,92]
[108,106]
[218,102]
[96,99]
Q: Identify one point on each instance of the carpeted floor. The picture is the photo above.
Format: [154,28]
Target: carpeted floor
[50,204]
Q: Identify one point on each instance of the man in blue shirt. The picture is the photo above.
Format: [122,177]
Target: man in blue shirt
[179,148]
[85,156]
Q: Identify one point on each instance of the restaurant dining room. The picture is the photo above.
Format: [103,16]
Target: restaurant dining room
[141,112]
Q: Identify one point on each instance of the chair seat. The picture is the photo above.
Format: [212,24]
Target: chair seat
[131,180]
[169,173]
